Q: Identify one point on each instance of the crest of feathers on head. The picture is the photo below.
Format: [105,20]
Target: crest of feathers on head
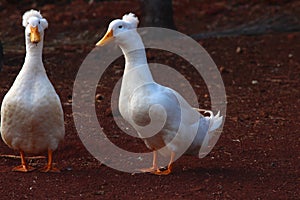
[34,13]
[131,19]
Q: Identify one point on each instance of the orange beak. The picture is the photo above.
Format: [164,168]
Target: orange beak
[106,38]
[35,36]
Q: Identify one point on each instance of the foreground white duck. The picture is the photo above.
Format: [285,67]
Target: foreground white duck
[31,113]
[152,108]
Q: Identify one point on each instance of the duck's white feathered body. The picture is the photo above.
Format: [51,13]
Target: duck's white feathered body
[32,118]
[31,112]
[139,97]
[161,116]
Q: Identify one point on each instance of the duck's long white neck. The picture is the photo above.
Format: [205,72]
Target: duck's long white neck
[136,73]
[33,58]
[135,56]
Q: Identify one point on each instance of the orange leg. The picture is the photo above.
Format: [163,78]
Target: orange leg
[49,167]
[169,169]
[23,167]
[154,167]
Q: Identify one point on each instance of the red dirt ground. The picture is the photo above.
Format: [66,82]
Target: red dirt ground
[257,156]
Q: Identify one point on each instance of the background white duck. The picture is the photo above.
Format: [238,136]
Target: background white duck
[31,113]
[152,108]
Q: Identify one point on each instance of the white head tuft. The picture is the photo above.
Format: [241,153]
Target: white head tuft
[34,13]
[131,19]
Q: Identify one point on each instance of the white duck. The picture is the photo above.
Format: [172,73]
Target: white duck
[152,108]
[31,113]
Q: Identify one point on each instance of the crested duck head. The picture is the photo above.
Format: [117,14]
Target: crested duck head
[34,25]
[123,32]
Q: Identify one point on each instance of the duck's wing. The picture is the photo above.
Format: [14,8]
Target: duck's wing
[187,128]
[152,108]
[163,113]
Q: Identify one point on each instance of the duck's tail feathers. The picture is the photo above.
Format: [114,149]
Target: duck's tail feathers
[212,136]
[215,121]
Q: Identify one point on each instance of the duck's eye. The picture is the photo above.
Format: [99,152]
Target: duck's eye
[39,22]
[120,26]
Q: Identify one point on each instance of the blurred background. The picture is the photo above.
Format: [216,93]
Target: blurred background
[75,21]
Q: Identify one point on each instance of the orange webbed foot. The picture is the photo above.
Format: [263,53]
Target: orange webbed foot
[149,170]
[163,171]
[49,169]
[23,168]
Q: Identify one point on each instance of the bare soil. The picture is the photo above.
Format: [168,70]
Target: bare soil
[257,156]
